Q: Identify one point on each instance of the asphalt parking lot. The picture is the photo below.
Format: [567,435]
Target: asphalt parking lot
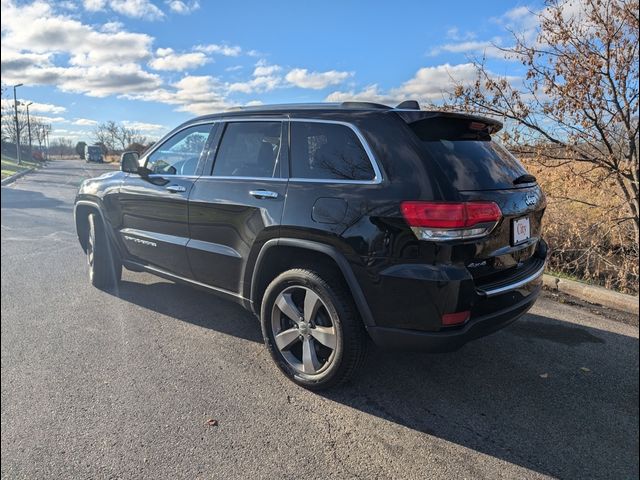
[99,385]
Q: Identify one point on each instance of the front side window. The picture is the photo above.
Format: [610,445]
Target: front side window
[180,154]
[249,149]
[328,151]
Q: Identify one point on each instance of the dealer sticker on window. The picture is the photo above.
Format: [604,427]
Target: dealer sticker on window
[521,231]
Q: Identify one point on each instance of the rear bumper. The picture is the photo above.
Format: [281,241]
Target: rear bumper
[452,339]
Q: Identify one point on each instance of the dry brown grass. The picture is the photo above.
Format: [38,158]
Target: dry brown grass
[583,228]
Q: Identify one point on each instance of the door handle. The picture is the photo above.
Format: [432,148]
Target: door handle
[176,188]
[263,194]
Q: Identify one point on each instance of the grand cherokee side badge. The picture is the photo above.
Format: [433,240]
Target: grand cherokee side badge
[140,241]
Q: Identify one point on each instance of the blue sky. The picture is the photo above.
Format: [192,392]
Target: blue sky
[156,63]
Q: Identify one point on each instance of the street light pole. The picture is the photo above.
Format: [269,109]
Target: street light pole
[29,130]
[15,107]
[48,129]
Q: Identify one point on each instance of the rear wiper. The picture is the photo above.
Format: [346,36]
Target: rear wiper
[526,178]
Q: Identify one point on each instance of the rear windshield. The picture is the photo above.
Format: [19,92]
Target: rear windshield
[94,150]
[469,159]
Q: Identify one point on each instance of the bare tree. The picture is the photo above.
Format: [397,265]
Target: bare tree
[63,147]
[578,102]
[9,126]
[106,134]
[115,136]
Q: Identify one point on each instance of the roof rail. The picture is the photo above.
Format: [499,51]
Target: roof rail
[364,105]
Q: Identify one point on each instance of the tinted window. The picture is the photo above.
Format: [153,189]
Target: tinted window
[249,149]
[470,159]
[328,151]
[180,154]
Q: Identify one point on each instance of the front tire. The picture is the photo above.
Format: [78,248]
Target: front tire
[312,329]
[105,268]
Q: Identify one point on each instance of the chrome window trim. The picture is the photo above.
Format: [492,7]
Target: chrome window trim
[376,180]
[231,177]
[231,120]
[169,135]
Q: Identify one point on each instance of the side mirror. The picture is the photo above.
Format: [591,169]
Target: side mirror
[129,162]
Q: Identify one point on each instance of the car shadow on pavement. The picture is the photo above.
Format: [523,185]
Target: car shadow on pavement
[551,396]
[193,306]
[17,198]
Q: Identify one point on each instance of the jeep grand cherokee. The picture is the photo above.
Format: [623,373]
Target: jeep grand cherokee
[333,223]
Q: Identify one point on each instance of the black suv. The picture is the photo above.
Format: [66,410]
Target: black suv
[333,223]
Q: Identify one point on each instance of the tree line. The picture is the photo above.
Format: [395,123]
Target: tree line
[37,127]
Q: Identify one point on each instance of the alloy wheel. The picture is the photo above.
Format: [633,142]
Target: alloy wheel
[304,330]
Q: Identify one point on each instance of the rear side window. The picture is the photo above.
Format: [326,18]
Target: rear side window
[328,151]
[470,159]
[249,149]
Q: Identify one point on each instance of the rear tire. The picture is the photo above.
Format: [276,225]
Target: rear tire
[105,268]
[312,329]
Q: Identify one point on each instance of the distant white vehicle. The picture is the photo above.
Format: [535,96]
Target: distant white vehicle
[93,153]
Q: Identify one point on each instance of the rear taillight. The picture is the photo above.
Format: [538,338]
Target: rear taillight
[450,220]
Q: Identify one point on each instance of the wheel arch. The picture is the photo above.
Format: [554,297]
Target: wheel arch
[281,254]
[81,212]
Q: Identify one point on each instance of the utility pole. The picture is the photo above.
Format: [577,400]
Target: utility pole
[47,139]
[15,107]
[29,130]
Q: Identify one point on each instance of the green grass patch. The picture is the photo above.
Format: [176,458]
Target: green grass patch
[10,166]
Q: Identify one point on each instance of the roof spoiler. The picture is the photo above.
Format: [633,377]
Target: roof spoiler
[364,105]
[476,122]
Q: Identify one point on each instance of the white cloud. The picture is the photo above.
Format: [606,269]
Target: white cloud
[145,127]
[35,107]
[143,9]
[226,50]
[521,20]
[370,93]
[198,94]
[182,8]
[488,48]
[94,5]
[48,119]
[167,59]
[428,85]
[100,63]
[263,69]
[85,122]
[75,135]
[265,78]
[301,77]
[112,27]
[433,83]
[40,31]
[454,33]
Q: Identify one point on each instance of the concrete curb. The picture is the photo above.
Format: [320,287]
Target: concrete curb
[16,176]
[593,294]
